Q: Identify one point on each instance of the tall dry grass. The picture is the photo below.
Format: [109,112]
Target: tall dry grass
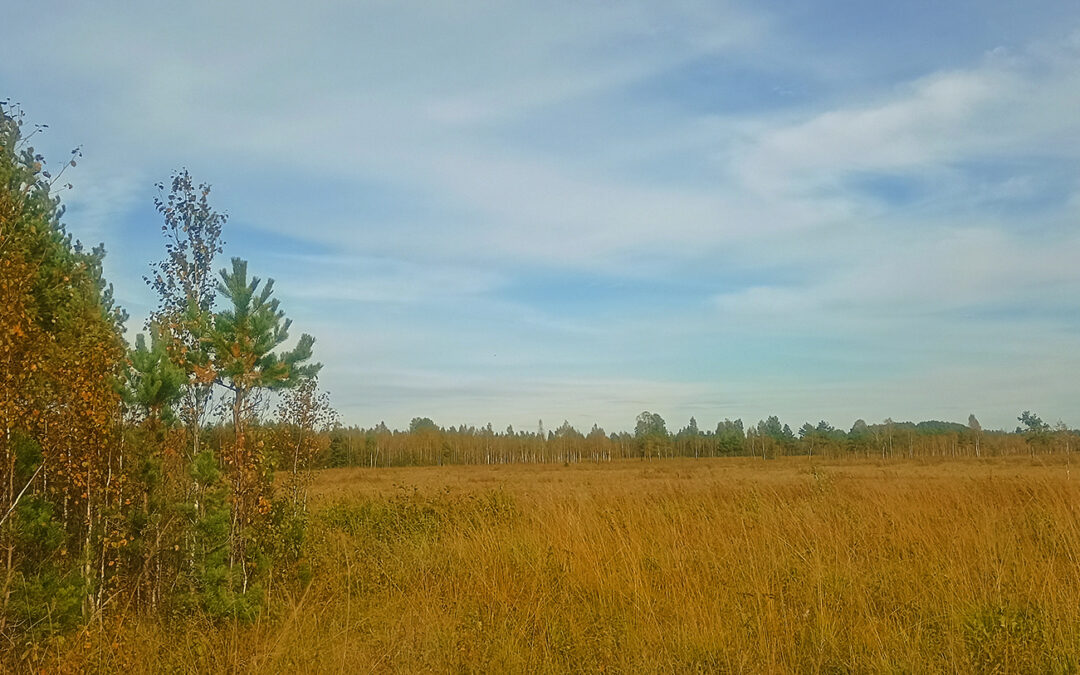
[725,565]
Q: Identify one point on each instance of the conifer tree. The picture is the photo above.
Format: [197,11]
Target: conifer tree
[155,386]
[156,383]
[242,340]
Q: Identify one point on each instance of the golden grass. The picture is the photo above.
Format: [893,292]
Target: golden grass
[718,565]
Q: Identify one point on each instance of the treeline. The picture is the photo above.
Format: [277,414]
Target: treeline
[146,478]
[425,443]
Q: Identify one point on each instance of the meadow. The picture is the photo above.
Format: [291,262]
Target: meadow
[681,565]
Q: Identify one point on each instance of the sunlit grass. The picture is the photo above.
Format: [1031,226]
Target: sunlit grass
[726,565]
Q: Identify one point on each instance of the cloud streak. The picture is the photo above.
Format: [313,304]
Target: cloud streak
[709,206]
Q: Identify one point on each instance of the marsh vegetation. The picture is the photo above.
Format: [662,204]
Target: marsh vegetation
[709,565]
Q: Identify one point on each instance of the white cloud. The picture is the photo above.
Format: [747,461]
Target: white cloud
[468,115]
[928,273]
[363,279]
[1004,106]
[451,399]
[100,198]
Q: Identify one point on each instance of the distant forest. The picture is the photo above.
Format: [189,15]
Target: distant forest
[426,443]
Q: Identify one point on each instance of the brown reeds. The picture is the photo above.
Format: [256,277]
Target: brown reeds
[718,565]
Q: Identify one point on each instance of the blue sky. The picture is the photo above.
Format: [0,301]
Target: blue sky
[506,212]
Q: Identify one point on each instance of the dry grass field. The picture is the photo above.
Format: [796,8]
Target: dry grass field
[719,565]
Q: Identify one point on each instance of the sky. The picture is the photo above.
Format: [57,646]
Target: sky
[509,212]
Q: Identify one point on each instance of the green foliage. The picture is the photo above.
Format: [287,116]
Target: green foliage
[246,333]
[650,424]
[28,455]
[215,584]
[567,431]
[47,590]
[1033,424]
[283,532]
[730,437]
[387,520]
[1007,638]
[39,534]
[772,428]
[934,427]
[419,424]
[339,453]
[412,516]
[47,600]
[156,384]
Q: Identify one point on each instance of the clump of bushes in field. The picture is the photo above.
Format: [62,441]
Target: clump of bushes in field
[117,493]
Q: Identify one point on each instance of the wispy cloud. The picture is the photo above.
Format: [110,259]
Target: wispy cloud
[845,222]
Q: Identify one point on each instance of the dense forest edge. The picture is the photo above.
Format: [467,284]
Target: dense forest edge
[170,477]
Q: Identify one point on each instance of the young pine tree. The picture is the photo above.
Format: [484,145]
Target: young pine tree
[243,340]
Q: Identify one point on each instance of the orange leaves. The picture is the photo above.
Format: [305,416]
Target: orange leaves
[204,374]
[60,353]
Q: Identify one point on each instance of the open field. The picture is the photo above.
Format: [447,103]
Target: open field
[719,565]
